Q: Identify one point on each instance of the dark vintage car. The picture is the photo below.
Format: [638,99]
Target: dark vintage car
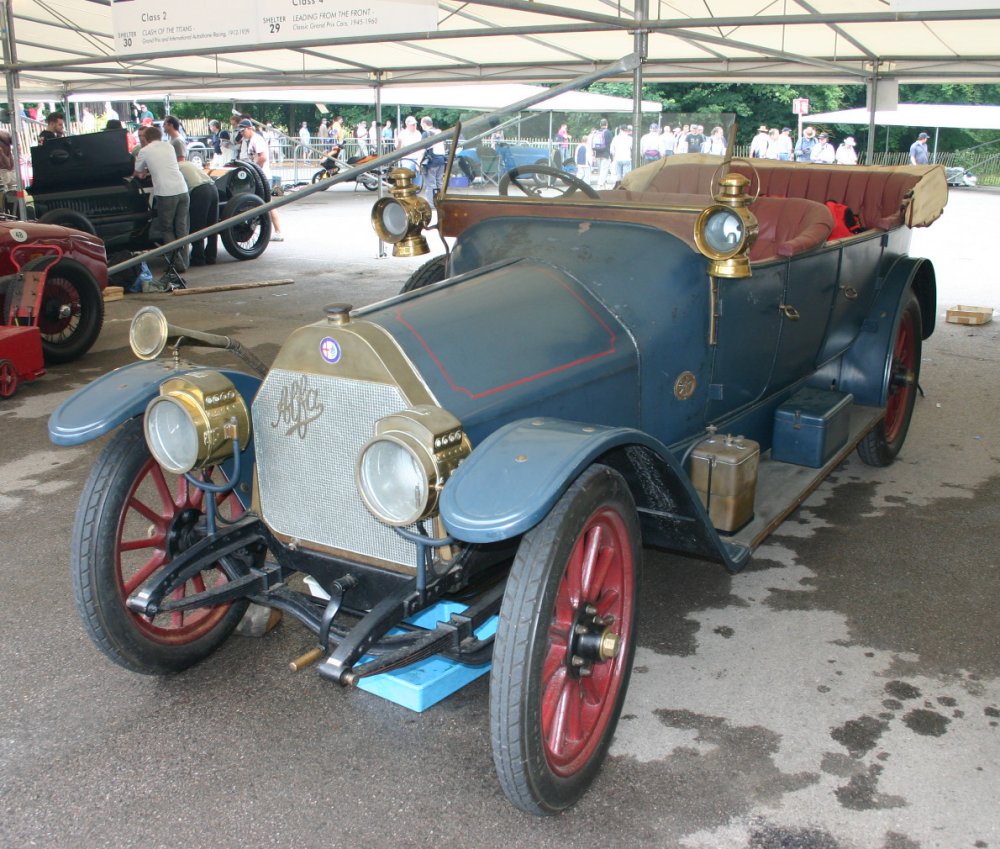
[86,182]
[68,311]
[676,363]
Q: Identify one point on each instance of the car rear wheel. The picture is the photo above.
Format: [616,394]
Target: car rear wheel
[8,379]
[246,239]
[69,218]
[565,643]
[881,445]
[432,271]
[72,313]
[132,520]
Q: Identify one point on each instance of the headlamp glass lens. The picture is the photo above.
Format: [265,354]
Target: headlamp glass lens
[723,231]
[171,435]
[393,482]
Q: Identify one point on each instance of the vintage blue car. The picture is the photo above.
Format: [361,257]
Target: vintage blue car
[675,363]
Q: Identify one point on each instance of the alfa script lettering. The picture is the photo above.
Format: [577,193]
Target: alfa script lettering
[298,407]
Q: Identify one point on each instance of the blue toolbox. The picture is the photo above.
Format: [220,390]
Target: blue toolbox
[811,426]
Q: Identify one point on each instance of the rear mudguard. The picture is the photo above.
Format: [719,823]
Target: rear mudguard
[120,395]
[863,369]
[514,478]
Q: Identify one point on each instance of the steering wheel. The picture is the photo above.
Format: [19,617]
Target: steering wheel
[725,167]
[551,176]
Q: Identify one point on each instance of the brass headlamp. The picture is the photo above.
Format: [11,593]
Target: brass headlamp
[401,217]
[194,420]
[725,231]
[402,469]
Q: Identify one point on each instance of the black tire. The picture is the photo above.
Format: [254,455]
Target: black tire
[246,239]
[197,154]
[124,480]
[72,312]
[322,176]
[369,180]
[881,445]
[548,677]
[433,271]
[69,218]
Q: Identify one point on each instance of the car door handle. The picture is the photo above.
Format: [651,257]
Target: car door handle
[789,312]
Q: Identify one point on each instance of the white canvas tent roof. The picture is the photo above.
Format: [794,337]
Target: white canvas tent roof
[66,46]
[925,115]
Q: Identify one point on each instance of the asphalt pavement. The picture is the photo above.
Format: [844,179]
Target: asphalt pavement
[843,692]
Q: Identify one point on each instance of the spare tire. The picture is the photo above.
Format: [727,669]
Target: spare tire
[69,218]
[246,239]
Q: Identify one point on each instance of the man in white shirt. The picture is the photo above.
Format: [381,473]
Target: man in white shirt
[758,147]
[157,159]
[407,136]
[253,148]
[650,144]
[621,152]
[823,151]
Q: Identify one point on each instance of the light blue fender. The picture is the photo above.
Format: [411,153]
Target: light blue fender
[513,479]
[122,394]
[863,370]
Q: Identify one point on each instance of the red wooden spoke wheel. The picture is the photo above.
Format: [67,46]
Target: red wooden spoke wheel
[582,671]
[881,445]
[134,519]
[565,643]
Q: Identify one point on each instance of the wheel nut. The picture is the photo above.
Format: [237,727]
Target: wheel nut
[590,610]
[580,630]
[611,644]
[576,661]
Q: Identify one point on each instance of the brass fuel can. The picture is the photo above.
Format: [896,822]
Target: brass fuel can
[724,471]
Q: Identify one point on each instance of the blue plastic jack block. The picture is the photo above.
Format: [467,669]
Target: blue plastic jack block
[423,684]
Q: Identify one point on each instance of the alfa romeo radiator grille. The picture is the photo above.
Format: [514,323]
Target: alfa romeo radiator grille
[308,432]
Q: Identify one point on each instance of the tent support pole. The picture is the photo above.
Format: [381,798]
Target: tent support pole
[379,147]
[10,76]
[872,106]
[640,47]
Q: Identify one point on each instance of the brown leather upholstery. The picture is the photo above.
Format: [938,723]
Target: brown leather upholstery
[789,226]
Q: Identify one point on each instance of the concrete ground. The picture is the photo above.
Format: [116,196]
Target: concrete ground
[841,693]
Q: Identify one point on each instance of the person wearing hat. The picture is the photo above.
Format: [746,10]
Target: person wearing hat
[650,144]
[846,154]
[823,151]
[918,150]
[758,147]
[803,148]
[253,148]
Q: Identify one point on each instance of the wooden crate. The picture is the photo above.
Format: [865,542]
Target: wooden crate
[113,293]
[962,314]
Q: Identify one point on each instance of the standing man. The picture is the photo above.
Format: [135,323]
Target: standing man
[304,140]
[758,147]
[650,144]
[621,152]
[823,152]
[846,154]
[805,144]
[784,144]
[407,136]
[172,127]
[918,150]
[600,143]
[434,159]
[157,159]
[55,127]
[204,211]
[253,149]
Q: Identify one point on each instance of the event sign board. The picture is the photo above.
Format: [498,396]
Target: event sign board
[194,25]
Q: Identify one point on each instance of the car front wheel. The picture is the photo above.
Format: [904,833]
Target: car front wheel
[132,520]
[72,313]
[565,643]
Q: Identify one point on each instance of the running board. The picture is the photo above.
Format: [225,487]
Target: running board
[782,487]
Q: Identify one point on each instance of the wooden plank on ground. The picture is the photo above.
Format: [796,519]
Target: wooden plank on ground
[113,293]
[228,287]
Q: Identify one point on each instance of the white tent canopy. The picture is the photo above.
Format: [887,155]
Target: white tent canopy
[67,46]
[924,115]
